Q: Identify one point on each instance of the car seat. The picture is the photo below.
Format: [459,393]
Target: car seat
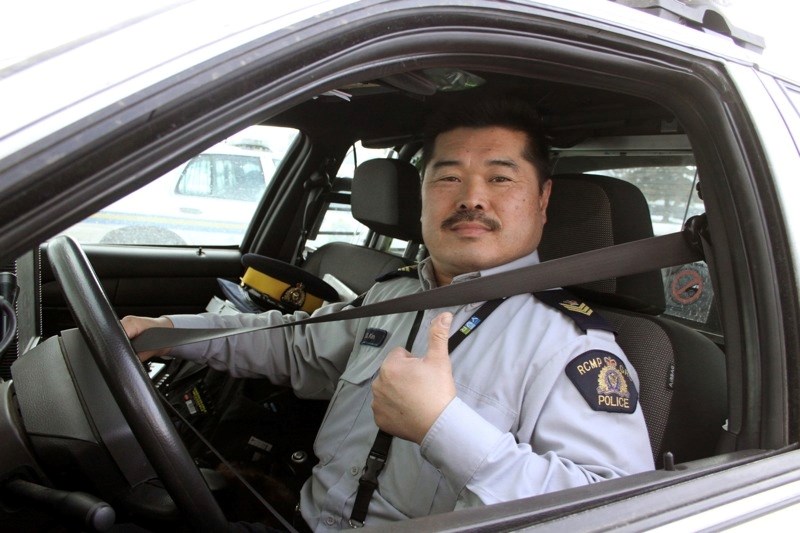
[385,197]
[681,372]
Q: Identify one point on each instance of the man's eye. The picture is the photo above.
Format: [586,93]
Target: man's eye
[447,178]
[500,179]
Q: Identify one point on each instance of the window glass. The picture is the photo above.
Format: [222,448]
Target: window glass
[338,224]
[206,201]
[195,179]
[671,193]
[224,176]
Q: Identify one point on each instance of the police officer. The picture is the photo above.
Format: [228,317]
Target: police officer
[486,403]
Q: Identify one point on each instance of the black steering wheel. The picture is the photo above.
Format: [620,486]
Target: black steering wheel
[131,387]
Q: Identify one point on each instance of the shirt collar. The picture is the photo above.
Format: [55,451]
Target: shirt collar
[428,278]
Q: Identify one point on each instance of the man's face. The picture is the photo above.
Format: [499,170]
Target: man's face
[481,204]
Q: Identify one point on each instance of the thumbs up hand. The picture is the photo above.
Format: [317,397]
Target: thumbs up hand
[411,392]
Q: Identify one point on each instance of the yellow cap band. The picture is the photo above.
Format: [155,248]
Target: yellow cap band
[275,289]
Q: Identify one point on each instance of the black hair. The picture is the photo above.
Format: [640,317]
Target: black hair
[507,112]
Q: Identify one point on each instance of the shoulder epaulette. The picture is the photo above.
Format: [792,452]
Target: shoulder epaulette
[584,316]
[402,272]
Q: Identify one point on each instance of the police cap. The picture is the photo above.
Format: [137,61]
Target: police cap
[274,283]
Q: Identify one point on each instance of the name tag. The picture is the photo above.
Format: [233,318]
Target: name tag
[374,337]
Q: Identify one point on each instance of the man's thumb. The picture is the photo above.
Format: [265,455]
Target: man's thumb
[439,334]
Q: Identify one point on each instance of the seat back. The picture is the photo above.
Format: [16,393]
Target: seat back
[385,197]
[681,372]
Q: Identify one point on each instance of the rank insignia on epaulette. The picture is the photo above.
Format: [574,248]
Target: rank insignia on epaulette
[579,312]
[576,307]
[603,381]
[402,272]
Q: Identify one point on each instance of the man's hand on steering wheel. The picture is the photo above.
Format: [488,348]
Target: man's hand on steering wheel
[135,325]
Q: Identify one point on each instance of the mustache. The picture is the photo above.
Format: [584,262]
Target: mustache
[470,215]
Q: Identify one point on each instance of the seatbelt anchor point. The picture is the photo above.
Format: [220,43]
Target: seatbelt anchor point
[696,231]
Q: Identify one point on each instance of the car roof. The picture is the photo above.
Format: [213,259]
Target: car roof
[83,76]
[79,77]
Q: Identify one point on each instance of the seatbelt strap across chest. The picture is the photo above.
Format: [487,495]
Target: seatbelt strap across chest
[379,453]
[615,261]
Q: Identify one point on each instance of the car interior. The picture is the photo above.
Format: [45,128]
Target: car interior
[627,165]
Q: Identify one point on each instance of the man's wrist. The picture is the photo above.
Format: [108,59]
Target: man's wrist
[458,442]
[427,427]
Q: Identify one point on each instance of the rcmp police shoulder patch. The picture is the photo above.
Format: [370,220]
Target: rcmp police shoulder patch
[402,272]
[603,381]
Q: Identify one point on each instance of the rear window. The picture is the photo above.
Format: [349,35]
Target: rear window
[670,191]
[337,223]
[224,176]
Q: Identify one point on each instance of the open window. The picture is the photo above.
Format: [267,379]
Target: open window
[208,200]
[335,223]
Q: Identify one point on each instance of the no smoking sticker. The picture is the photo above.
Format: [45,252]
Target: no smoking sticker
[687,286]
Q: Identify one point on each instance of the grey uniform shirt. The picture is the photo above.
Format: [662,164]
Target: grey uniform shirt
[518,427]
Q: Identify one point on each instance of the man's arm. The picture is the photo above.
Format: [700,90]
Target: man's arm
[484,465]
[308,358]
[576,445]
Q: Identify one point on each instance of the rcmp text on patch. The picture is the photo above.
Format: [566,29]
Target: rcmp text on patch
[603,381]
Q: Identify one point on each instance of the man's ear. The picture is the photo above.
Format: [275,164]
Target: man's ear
[544,197]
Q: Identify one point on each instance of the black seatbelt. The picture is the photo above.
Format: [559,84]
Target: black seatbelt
[316,185]
[368,482]
[379,453]
[614,261]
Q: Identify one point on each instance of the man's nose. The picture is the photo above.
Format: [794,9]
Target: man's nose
[473,195]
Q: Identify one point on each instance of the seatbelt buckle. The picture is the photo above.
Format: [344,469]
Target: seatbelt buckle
[375,463]
[368,482]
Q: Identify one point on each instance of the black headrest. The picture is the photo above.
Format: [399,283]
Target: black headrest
[385,197]
[588,211]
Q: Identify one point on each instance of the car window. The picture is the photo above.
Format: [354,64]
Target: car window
[673,197]
[224,176]
[670,191]
[206,201]
[337,223]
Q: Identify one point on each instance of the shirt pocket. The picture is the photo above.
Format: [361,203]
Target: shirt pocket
[411,484]
[491,409]
[352,396]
